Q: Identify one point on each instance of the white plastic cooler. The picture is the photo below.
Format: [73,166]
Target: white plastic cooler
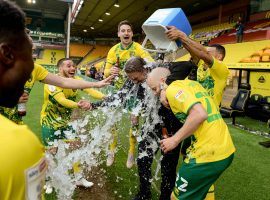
[155,26]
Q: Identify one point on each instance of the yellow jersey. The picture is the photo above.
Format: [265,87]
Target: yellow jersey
[59,103]
[213,79]
[38,74]
[23,164]
[118,51]
[211,141]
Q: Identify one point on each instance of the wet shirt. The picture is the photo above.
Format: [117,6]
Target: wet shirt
[118,51]
[211,141]
[39,73]
[213,79]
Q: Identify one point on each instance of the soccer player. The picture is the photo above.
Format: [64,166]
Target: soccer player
[212,73]
[211,150]
[23,164]
[116,59]
[58,105]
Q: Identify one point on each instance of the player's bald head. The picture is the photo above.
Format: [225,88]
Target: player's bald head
[158,74]
[156,78]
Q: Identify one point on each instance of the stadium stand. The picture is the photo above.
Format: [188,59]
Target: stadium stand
[79,50]
[207,33]
[254,31]
[49,58]
[259,56]
[97,53]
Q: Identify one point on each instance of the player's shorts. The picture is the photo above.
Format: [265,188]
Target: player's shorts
[194,179]
[49,134]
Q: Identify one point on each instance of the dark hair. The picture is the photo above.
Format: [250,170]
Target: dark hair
[125,22]
[220,49]
[12,20]
[135,64]
[60,62]
[179,70]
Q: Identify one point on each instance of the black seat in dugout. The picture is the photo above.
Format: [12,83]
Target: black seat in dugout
[254,106]
[265,108]
[259,107]
[239,103]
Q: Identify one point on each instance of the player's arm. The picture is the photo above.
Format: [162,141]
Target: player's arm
[94,93]
[196,116]
[107,69]
[71,83]
[110,69]
[62,100]
[196,50]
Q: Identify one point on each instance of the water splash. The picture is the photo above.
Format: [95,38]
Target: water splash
[95,137]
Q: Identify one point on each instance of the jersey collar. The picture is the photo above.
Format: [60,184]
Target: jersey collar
[127,48]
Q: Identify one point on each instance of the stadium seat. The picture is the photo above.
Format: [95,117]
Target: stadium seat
[254,106]
[255,58]
[265,57]
[259,107]
[246,60]
[266,107]
[239,103]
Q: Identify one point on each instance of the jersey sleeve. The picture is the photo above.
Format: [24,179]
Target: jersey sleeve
[219,70]
[181,99]
[57,94]
[94,93]
[41,72]
[111,60]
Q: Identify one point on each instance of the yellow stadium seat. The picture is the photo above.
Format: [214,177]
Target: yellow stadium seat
[255,58]
[246,60]
[99,52]
[266,57]
[266,50]
[79,50]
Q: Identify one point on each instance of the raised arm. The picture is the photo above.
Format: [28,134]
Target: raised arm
[196,50]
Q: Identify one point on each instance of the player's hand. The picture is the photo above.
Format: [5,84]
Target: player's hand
[163,99]
[85,105]
[115,70]
[105,82]
[134,120]
[173,33]
[168,144]
[23,98]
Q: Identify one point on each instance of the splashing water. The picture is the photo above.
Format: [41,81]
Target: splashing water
[96,141]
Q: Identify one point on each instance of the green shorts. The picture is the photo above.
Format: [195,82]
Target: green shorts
[49,134]
[194,179]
